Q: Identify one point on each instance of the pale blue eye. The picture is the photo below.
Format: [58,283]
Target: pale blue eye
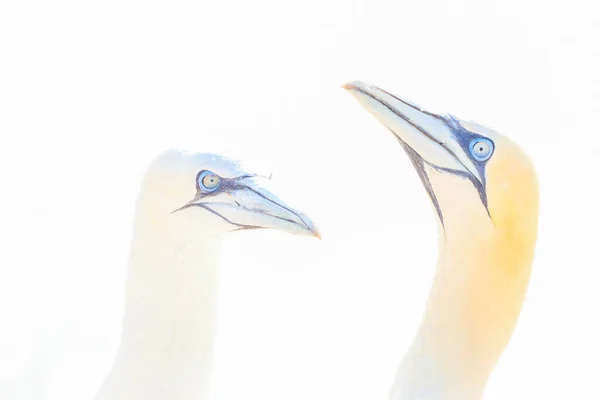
[481,149]
[208,181]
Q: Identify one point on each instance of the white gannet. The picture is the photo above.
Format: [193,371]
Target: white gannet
[186,203]
[484,191]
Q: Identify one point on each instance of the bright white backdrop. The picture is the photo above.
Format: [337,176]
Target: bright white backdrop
[90,92]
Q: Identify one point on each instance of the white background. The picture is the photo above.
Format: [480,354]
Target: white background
[90,92]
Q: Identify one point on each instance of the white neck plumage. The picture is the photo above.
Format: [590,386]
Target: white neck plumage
[169,323]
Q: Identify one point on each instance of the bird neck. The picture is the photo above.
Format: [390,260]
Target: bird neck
[473,307]
[169,321]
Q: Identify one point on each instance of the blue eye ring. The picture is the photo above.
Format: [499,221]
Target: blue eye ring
[208,181]
[481,148]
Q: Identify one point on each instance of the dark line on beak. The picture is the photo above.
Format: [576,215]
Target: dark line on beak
[478,185]
[408,120]
[207,208]
[194,203]
[414,107]
[282,206]
[399,114]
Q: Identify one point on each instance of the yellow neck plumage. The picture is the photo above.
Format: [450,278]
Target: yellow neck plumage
[482,275]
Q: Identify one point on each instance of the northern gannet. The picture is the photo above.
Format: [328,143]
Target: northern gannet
[187,202]
[484,191]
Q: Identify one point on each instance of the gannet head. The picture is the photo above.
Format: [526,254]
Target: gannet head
[471,173]
[199,194]
[484,191]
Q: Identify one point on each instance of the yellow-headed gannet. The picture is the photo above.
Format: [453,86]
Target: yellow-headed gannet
[186,203]
[485,194]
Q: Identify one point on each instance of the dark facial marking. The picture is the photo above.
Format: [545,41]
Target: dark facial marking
[229,185]
[463,137]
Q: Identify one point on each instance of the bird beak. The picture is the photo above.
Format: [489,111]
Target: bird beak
[428,135]
[248,204]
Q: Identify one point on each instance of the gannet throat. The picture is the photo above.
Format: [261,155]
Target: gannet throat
[484,191]
[186,204]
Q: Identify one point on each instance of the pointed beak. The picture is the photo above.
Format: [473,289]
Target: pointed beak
[264,209]
[430,136]
[248,204]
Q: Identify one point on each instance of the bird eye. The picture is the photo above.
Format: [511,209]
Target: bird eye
[208,181]
[481,149]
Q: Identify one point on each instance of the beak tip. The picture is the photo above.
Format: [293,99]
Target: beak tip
[311,229]
[354,85]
